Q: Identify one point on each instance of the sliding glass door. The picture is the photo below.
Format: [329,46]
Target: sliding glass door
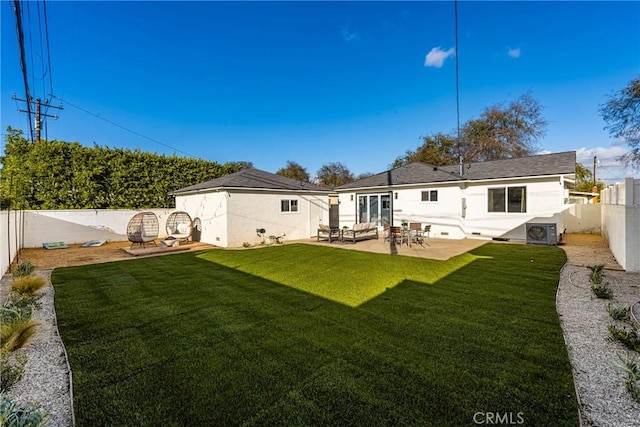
[374,208]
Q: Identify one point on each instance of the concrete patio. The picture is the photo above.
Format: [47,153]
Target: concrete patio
[432,248]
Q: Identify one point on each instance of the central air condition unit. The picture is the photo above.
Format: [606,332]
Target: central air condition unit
[542,234]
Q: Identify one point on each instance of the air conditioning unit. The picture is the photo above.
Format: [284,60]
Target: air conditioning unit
[542,234]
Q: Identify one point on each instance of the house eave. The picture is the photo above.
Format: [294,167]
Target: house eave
[391,187]
[247,190]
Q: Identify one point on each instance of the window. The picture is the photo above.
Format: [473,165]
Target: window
[507,199]
[430,196]
[288,206]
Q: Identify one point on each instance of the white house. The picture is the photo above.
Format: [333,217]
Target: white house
[493,199]
[251,205]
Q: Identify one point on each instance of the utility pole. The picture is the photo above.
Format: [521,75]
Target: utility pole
[38,113]
[595,183]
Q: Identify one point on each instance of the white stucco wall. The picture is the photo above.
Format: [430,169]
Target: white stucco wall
[231,218]
[545,202]
[583,218]
[10,237]
[211,209]
[82,225]
[250,211]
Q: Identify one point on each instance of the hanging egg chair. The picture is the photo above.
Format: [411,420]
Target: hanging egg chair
[179,226]
[143,228]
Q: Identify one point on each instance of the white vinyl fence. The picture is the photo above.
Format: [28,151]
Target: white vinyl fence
[621,222]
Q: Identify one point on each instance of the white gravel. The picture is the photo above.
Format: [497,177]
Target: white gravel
[603,397]
[46,378]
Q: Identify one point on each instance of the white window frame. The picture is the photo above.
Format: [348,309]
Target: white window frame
[506,189]
[290,204]
[429,198]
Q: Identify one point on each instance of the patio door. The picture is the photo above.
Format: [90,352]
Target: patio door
[374,208]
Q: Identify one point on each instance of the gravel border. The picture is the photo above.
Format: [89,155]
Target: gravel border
[47,377]
[603,397]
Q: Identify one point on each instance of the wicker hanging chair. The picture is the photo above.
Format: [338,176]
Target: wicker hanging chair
[143,228]
[179,225]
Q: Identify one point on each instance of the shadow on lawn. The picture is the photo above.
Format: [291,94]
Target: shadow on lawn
[238,340]
[348,277]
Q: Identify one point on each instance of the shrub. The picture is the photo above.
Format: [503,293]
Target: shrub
[601,290]
[11,373]
[13,415]
[28,285]
[12,313]
[619,313]
[630,338]
[16,334]
[23,269]
[632,370]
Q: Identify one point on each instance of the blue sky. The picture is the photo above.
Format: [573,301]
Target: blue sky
[318,82]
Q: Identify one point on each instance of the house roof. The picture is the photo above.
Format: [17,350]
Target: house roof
[418,173]
[253,179]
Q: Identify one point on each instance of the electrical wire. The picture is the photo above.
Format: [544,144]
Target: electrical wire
[23,61]
[125,128]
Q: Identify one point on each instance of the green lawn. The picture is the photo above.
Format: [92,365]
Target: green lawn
[310,335]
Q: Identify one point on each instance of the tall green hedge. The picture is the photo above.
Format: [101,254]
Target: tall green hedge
[67,175]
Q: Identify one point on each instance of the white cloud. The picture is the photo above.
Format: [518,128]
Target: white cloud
[608,168]
[437,56]
[348,35]
[514,53]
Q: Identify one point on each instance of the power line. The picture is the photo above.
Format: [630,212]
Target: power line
[125,128]
[23,60]
[46,32]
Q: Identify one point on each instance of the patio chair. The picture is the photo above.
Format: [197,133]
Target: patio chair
[395,234]
[425,233]
[416,234]
[143,228]
[179,226]
[386,234]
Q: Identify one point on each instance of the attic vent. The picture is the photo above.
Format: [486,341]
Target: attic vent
[476,233]
[444,233]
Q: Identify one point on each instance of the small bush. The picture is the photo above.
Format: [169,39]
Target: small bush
[16,334]
[630,338]
[23,269]
[28,285]
[13,415]
[600,290]
[12,313]
[11,373]
[596,274]
[632,370]
[619,313]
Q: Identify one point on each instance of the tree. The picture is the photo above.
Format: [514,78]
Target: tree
[501,132]
[295,171]
[438,149]
[334,175]
[622,115]
[63,175]
[584,179]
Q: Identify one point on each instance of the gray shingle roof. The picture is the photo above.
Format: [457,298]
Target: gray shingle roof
[418,173]
[253,179]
